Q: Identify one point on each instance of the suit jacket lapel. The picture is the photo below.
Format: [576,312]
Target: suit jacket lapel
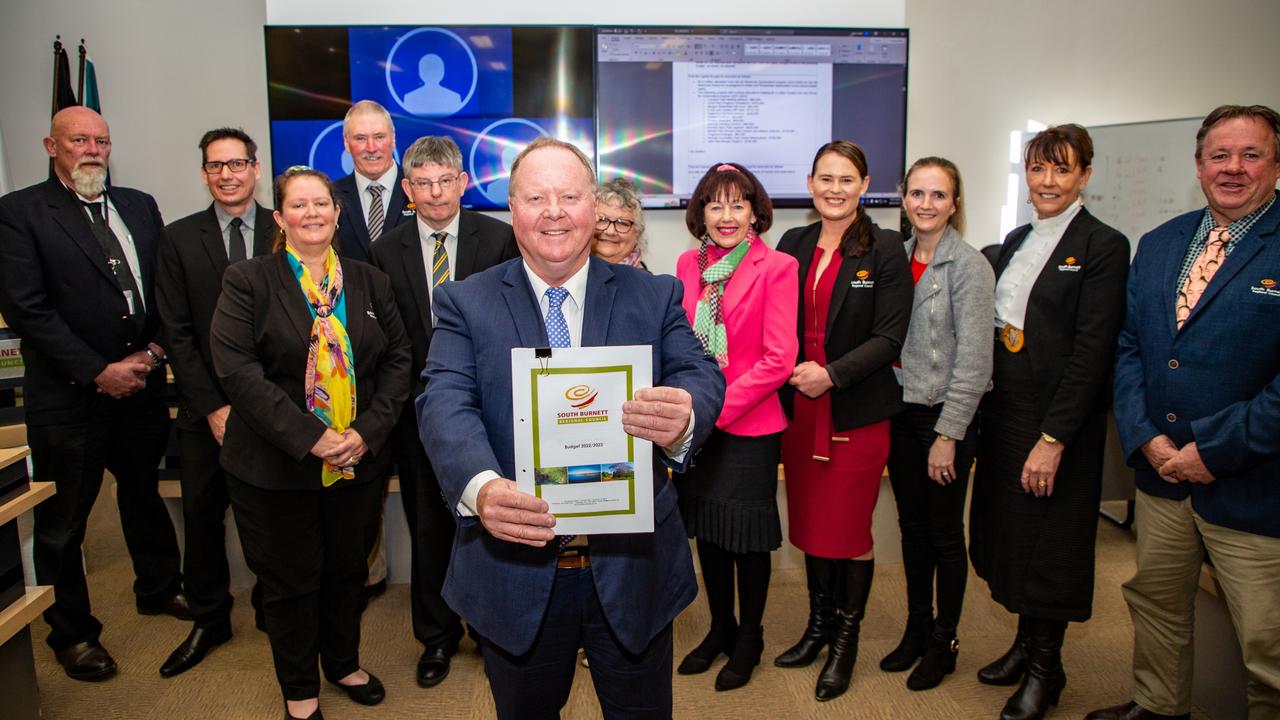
[804,255]
[66,211]
[1251,244]
[848,265]
[1010,247]
[465,258]
[598,303]
[264,231]
[396,202]
[211,240]
[293,300]
[1168,278]
[523,307]
[744,277]
[414,267]
[353,211]
[353,294]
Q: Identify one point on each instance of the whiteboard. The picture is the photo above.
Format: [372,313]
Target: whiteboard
[1143,174]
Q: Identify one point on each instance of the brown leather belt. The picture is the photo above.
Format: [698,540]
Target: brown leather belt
[573,558]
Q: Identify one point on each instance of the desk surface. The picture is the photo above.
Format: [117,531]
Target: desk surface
[37,493]
[24,610]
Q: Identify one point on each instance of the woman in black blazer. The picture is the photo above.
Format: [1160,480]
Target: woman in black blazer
[294,333]
[1060,296]
[854,306]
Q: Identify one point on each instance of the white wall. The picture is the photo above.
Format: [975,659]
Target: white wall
[170,70]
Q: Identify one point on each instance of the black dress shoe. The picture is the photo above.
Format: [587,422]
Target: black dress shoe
[195,647]
[176,606]
[433,666]
[1132,711]
[87,661]
[317,715]
[370,693]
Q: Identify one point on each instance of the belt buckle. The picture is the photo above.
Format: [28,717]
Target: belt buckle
[1012,338]
[573,559]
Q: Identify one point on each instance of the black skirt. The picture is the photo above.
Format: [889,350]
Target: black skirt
[1036,554]
[730,495]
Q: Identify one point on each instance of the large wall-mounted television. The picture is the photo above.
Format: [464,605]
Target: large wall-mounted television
[671,102]
[656,104]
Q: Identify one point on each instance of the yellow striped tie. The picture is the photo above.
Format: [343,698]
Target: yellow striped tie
[439,261]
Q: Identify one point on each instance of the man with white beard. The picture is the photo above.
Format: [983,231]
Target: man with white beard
[77,262]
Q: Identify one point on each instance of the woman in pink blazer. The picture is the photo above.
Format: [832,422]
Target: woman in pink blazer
[741,298]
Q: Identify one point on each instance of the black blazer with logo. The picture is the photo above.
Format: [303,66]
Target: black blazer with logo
[188,284]
[353,231]
[482,243]
[260,333]
[866,325]
[58,293]
[1074,315]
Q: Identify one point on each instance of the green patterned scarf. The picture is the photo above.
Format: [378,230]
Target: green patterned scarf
[708,320]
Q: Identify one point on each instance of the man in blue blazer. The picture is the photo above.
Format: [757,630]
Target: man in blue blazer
[533,602]
[1197,402]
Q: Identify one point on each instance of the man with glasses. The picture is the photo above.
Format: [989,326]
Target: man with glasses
[77,264]
[197,250]
[372,199]
[444,243]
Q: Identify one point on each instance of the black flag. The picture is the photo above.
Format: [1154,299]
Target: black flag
[63,94]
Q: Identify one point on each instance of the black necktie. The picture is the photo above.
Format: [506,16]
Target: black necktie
[114,254]
[235,250]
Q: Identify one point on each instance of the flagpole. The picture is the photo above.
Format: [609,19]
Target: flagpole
[80,90]
[57,48]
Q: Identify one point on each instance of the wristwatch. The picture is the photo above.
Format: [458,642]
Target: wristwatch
[946,438]
[155,359]
[1048,438]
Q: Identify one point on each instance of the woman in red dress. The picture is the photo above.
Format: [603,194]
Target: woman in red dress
[855,303]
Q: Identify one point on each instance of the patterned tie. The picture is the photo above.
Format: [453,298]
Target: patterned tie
[558,337]
[439,261]
[236,251]
[377,215]
[1201,273]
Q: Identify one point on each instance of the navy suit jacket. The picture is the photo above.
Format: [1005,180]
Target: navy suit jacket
[1215,381]
[353,231]
[644,580]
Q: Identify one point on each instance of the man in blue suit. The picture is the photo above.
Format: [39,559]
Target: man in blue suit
[1197,401]
[531,600]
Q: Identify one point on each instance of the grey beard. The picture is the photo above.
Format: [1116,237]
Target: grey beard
[89,181]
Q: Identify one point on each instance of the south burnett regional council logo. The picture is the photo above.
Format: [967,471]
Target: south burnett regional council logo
[580,396]
[1268,283]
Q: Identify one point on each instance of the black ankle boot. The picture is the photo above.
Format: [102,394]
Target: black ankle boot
[912,646]
[853,582]
[939,661]
[821,626]
[720,639]
[1042,685]
[1009,667]
[744,658]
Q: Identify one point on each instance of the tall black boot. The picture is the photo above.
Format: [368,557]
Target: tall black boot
[853,586]
[717,579]
[821,627]
[1042,685]
[1009,667]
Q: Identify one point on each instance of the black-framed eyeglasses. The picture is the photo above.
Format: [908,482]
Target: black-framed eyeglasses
[236,165]
[620,226]
[446,183]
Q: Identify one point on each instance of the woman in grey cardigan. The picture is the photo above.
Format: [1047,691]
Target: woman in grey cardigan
[945,370]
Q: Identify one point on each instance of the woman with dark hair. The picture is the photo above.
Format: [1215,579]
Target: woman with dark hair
[855,302]
[311,352]
[945,370]
[1060,294]
[740,296]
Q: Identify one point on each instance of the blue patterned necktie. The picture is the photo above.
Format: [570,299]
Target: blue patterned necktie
[558,337]
[557,328]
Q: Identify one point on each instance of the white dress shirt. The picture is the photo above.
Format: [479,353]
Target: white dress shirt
[425,232]
[1019,276]
[388,183]
[116,223]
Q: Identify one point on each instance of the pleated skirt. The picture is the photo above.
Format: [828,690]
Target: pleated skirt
[729,496]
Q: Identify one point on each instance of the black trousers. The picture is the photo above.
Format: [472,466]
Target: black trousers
[307,549]
[204,510]
[930,516]
[431,528]
[129,443]
[536,685]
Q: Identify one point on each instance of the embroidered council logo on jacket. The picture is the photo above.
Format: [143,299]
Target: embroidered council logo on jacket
[862,280]
[1069,265]
[1266,286]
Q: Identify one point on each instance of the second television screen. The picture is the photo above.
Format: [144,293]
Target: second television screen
[671,102]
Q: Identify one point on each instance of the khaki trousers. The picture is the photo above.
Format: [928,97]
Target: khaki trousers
[1172,540]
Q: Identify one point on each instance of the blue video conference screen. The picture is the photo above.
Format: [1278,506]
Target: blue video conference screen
[657,105]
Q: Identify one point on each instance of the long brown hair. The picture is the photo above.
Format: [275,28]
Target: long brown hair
[858,237]
[282,184]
